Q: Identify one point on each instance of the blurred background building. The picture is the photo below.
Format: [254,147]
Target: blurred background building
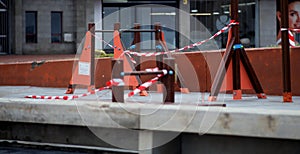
[58,26]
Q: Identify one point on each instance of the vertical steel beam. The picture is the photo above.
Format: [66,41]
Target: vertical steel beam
[286,70]
[168,80]
[117,90]
[91,28]
[237,94]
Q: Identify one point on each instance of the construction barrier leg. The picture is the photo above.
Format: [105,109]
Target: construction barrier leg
[71,89]
[168,80]
[287,97]
[117,90]
[237,94]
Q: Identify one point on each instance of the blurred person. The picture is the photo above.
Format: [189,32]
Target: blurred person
[293,15]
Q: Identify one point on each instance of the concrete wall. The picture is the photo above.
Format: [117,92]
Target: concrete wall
[192,143]
[266,23]
[76,15]
[58,122]
[48,74]
[18,27]
[87,11]
[44,8]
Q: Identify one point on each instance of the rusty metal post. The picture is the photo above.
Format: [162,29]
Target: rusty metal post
[286,70]
[116,34]
[159,48]
[117,90]
[237,92]
[91,28]
[168,80]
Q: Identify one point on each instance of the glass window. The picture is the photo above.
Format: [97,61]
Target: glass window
[143,17]
[110,17]
[214,15]
[146,16]
[31,26]
[166,16]
[56,27]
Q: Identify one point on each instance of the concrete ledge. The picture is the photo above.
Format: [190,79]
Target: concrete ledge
[78,113]
[252,119]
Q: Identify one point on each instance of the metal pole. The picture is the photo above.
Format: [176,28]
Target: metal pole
[168,81]
[159,59]
[287,94]
[117,91]
[141,73]
[237,93]
[91,28]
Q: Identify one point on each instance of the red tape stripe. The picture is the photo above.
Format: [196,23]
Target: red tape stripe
[232,22]
[108,85]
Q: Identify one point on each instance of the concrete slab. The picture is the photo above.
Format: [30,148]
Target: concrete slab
[251,117]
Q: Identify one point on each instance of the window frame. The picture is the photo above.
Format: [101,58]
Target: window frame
[134,3]
[60,35]
[34,35]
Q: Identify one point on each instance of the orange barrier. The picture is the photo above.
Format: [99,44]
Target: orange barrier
[119,54]
[82,70]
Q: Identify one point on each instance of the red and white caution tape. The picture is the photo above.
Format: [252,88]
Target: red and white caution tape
[148,83]
[291,36]
[292,39]
[129,52]
[294,30]
[113,82]
[232,22]
[151,69]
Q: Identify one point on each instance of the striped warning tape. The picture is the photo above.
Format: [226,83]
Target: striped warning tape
[292,39]
[290,35]
[130,52]
[232,22]
[148,83]
[113,82]
[294,30]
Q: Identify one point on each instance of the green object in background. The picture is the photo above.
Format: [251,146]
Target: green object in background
[101,53]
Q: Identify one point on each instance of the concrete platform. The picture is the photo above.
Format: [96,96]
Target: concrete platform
[140,121]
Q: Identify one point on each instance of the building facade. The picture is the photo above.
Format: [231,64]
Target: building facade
[58,26]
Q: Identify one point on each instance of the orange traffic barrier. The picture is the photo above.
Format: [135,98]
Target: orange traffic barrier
[119,54]
[82,69]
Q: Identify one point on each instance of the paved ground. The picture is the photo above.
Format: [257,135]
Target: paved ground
[194,98]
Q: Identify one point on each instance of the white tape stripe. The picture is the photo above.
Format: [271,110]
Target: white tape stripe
[189,46]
